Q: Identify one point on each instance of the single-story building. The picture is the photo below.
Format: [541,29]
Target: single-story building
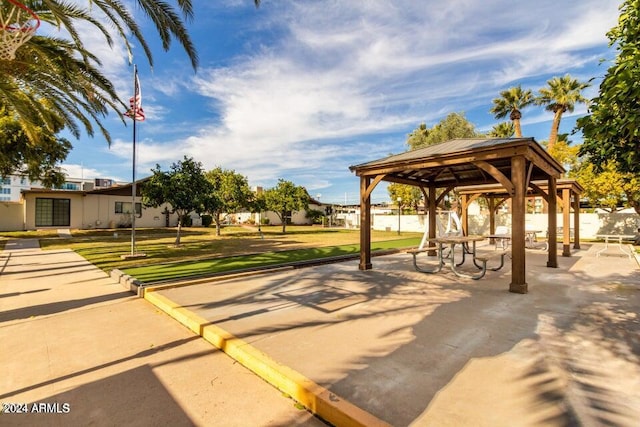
[101,208]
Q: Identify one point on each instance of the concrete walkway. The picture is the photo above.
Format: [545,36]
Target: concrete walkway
[72,338]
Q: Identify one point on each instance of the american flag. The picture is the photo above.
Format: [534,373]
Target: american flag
[135,103]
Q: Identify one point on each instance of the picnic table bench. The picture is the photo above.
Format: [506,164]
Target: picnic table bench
[615,238]
[480,259]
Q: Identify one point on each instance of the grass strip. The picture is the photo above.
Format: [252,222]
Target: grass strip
[187,269]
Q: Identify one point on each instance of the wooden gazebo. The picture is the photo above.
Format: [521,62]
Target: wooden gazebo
[511,162]
[567,192]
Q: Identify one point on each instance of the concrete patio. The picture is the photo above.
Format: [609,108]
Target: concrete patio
[416,349]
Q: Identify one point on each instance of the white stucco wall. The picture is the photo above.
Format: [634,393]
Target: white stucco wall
[11,216]
[591,224]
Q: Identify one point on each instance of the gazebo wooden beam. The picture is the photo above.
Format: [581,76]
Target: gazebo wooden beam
[566,222]
[365,224]
[518,259]
[552,221]
[540,192]
[496,174]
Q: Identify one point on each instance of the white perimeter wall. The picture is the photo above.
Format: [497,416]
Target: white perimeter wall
[591,224]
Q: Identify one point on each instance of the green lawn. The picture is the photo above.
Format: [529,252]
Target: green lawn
[185,269]
[202,252]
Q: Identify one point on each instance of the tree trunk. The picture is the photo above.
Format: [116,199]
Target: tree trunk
[177,243]
[283,218]
[517,128]
[635,205]
[216,215]
[555,126]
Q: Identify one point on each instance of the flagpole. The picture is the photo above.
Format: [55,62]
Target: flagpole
[133,181]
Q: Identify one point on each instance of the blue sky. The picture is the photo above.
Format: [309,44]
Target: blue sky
[303,89]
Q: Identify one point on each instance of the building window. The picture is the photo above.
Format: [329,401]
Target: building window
[70,186]
[5,199]
[53,212]
[125,208]
[6,190]
[6,181]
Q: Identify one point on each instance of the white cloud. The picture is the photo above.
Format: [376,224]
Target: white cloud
[317,98]
[80,172]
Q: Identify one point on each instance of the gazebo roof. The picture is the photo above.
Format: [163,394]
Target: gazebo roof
[471,161]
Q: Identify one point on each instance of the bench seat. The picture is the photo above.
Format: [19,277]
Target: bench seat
[484,258]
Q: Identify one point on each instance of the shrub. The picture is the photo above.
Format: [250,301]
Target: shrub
[187,221]
[207,220]
[315,216]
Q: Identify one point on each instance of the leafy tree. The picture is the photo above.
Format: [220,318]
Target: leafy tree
[37,161]
[418,137]
[560,95]
[183,187]
[315,216]
[607,189]
[611,130]
[285,198]
[502,130]
[229,193]
[511,102]
[409,195]
[631,187]
[564,152]
[455,125]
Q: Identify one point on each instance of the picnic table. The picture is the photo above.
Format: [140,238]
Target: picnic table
[617,239]
[502,240]
[449,243]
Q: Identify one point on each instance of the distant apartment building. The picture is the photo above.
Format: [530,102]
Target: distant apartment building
[13,185]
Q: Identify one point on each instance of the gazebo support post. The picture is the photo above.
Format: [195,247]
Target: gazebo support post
[518,264]
[576,221]
[492,216]
[432,219]
[566,222]
[465,215]
[552,220]
[365,224]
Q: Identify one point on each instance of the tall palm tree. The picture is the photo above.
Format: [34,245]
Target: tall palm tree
[511,102]
[502,130]
[560,95]
[49,85]
[55,83]
[169,25]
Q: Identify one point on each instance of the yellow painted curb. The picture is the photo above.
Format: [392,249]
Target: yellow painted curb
[314,397]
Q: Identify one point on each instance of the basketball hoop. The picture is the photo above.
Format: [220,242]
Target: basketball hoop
[18,24]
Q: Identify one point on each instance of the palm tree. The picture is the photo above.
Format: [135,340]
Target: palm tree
[49,86]
[169,25]
[54,83]
[511,102]
[502,130]
[560,96]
